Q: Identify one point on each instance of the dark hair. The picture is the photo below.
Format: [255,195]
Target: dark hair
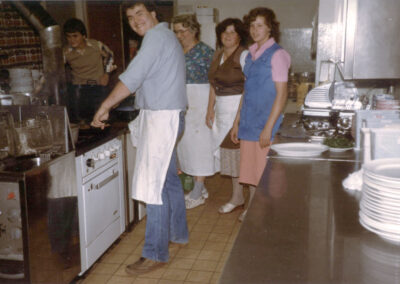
[240,29]
[74,25]
[149,5]
[269,17]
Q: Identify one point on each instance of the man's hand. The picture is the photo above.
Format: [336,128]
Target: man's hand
[100,117]
[104,79]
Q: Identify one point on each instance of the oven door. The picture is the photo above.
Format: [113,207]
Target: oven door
[101,199]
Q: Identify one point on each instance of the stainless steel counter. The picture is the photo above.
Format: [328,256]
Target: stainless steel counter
[302,227]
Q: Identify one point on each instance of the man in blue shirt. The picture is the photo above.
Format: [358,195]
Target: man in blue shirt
[157,75]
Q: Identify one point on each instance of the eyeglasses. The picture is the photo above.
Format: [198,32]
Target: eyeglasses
[179,32]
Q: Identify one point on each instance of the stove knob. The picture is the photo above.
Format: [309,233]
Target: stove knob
[107,153]
[101,156]
[90,163]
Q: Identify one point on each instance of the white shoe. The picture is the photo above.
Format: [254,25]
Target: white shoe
[242,216]
[229,207]
[204,192]
[193,203]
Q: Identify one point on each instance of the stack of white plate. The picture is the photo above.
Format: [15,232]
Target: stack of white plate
[21,80]
[380,201]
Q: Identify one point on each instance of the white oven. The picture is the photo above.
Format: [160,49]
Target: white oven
[101,201]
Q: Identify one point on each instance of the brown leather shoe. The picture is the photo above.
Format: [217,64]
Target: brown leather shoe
[143,265]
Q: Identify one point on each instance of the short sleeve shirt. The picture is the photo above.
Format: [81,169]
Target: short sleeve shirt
[157,72]
[198,61]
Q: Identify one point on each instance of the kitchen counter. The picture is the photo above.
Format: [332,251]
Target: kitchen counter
[302,227]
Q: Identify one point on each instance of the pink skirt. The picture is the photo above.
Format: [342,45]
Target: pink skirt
[253,160]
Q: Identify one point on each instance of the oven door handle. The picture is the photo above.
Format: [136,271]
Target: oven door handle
[107,180]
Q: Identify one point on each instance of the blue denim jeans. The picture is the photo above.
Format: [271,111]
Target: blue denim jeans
[167,222]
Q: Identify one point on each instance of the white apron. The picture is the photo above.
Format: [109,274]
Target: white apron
[154,134]
[195,149]
[225,112]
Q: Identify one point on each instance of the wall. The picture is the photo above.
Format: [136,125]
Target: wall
[291,13]
[295,17]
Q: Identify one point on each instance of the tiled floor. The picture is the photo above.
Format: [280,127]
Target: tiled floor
[201,261]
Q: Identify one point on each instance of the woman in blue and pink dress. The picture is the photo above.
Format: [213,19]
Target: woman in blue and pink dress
[265,93]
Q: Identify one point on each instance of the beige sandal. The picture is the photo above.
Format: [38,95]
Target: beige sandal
[229,207]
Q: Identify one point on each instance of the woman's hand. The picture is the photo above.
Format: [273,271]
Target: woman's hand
[265,138]
[234,132]
[210,118]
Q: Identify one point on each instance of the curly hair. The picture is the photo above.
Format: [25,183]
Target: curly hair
[188,21]
[240,29]
[269,17]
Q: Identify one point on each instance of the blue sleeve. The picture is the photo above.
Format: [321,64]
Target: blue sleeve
[139,68]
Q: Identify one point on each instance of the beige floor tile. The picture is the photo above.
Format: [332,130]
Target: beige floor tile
[175,274]
[225,256]
[132,258]
[214,237]
[115,279]
[124,248]
[220,266]
[198,236]
[129,241]
[217,246]
[202,228]
[96,279]
[188,253]
[205,265]
[181,263]
[138,249]
[121,271]
[228,246]
[156,274]
[145,281]
[207,221]
[211,213]
[199,276]
[114,258]
[196,244]
[225,221]
[215,278]
[210,255]
[220,229]
[164,281]
[105,268]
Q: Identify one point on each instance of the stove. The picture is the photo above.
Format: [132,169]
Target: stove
[101,199]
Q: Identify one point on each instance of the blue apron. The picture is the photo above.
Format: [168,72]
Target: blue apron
[259,96]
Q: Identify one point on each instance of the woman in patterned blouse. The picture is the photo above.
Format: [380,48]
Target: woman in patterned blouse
[195,148]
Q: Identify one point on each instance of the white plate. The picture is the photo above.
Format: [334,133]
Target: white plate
[378,215]
[339,150]
[383,168]
[381,183]
[299,149]
[390,237]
